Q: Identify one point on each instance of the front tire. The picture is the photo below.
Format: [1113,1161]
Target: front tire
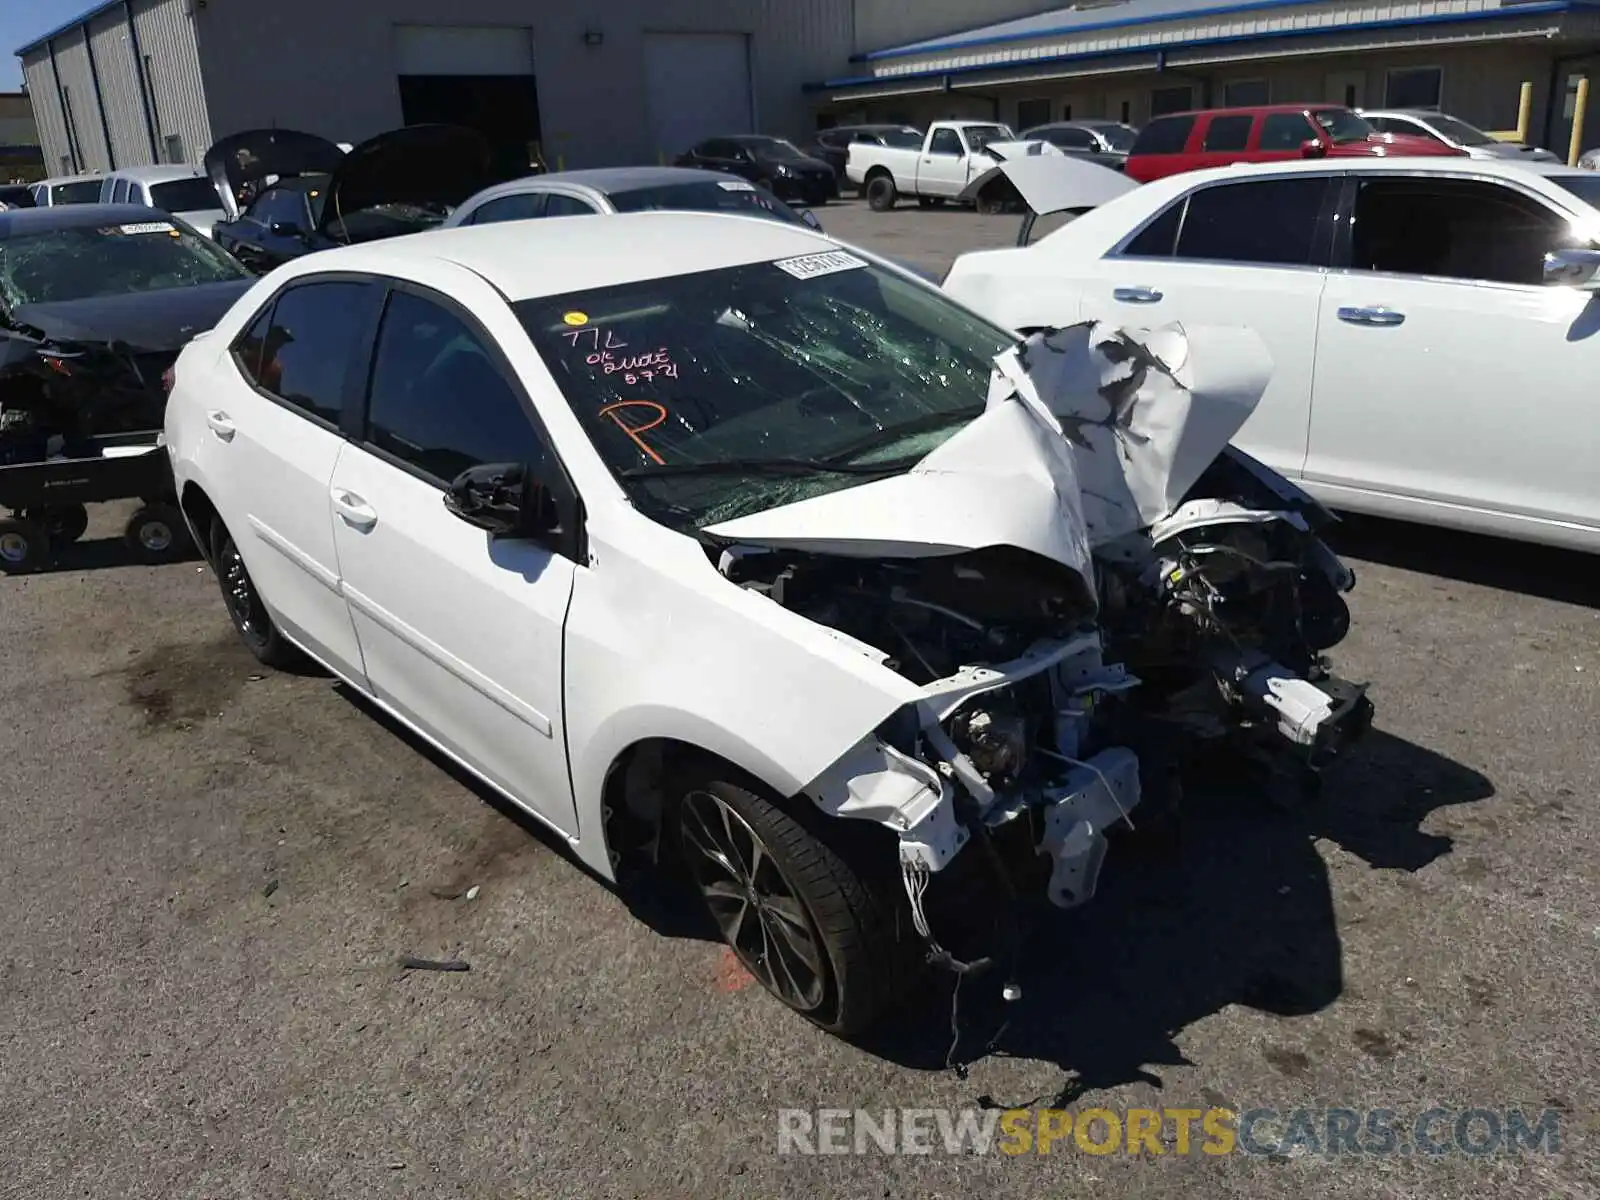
[799,917]
[249,615]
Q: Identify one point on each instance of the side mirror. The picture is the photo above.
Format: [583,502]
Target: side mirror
[809,218]
[1573,268]
[1314,148]
[501,498]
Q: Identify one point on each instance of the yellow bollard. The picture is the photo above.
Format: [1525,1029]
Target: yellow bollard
[1580,106]
[1525,112]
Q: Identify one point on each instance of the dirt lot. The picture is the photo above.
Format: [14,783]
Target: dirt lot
[208,875]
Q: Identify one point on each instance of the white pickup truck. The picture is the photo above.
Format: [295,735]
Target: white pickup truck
[954,156]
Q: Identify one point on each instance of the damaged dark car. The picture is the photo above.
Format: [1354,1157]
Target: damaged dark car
[96,301]
[288,193]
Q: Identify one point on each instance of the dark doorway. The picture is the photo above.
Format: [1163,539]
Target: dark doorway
[504,108]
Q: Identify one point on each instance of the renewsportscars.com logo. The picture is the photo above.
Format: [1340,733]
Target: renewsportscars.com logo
[1262,1132]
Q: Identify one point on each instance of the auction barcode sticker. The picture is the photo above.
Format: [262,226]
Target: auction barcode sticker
[809,266]
[147,227]
[736,185]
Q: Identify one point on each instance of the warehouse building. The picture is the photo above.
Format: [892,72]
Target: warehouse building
[1130,60]
[139,81]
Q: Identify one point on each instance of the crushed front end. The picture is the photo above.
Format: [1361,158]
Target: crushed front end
[1102,587]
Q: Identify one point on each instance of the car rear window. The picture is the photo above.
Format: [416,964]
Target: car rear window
[1164,135]
[86,191]
[731,195]
[185,195]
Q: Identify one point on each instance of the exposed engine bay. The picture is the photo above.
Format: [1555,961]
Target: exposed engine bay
[1069,676]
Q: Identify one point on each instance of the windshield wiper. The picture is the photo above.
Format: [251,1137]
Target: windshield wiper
[761,466]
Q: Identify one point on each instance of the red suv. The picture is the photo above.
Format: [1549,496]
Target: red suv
[1266,133]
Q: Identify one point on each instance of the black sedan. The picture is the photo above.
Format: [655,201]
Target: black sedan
[96,300]
[773,163]
[288,193]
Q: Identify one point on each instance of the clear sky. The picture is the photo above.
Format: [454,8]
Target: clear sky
[22,21]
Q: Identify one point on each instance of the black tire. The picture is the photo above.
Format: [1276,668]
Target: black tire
[881,193]
[157,534]
[991,202]
[810,895]
[65,523]
[24,545]
[249,615]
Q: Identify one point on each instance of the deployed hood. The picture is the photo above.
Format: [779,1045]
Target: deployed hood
[419,164]
[1020,148]
[255,154]
[1090,433]
[148,321]
[1051,183]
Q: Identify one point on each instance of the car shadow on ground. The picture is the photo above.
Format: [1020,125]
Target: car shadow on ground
[1236,909]
[94,554]
[1565,576]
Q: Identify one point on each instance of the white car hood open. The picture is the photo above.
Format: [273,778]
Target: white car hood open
[1052,183]
[1090,433]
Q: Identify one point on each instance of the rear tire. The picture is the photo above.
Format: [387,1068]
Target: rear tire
[249,615]
[24,545]
[881,194]
[802,920]
[157,534]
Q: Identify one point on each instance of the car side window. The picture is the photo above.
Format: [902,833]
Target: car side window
[1228,133]
[438,400]
[307,346]
[557,205]
[1285,131]
[1071,139]
[1454,229]
[1164,135]
[945,141]
[119,192]
[1157,239]
[1269,221]
[521,206]
[247,346]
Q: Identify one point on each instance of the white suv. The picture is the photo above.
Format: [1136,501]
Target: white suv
[708,539]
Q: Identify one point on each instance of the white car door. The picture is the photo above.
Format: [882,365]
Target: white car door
[273,438]
[461,631]
[1452,384]
[1249,253]
[942,170]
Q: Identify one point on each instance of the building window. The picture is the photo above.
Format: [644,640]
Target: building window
[1032,112]
[1414,87]
[174,144]
[1166,100]
[1244,93]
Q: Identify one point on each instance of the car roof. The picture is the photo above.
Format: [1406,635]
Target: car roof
[528,259]
[1499,168]
[158,172]
[20,221]
[606,180]
[1252,109]
[1422,114]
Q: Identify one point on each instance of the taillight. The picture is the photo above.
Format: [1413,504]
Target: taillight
[167,380]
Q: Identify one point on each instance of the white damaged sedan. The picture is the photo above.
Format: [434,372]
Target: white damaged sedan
[717,546]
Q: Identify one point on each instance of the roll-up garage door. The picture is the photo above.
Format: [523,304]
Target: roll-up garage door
[480,76]
[698,86]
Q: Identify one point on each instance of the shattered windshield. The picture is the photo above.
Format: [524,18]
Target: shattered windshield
[726,392]
[114,260]
[727,195]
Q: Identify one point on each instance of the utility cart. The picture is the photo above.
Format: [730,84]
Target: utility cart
[46,501]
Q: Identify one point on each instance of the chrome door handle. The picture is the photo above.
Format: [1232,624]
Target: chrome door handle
[1136,295]
[353,510]
[1376,315]
[220,424]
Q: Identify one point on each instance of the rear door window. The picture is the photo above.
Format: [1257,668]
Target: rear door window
[1228,133]
[557,205]
[1285,131]
[1269,222]
[1164,135]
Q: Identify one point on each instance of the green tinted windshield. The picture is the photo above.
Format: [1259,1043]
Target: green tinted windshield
[708,394]
[112,260]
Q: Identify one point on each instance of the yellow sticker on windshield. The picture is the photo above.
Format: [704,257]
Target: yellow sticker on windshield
[576,318]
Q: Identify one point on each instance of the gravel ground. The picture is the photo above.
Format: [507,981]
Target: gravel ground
[209,874]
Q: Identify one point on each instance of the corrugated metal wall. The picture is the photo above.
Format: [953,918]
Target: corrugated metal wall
[178,94]
[284,63]
[41,85]
[77,85]
[119,89]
